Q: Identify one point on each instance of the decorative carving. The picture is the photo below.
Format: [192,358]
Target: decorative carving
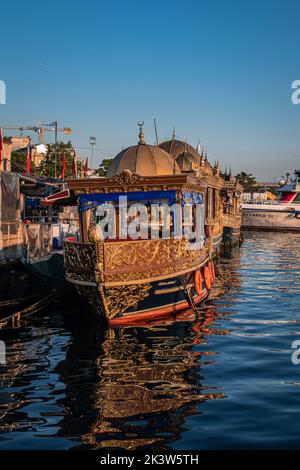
[126,178]
[125,262]
[79,261]
[149,259]
[120,298]
[153,274]
[91,295]
[231,220]
[144,253]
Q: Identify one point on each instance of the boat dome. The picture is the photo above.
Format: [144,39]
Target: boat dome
[144,159]
[185,155]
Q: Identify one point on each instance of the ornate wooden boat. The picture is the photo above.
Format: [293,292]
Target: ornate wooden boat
[125,279]
[231,211]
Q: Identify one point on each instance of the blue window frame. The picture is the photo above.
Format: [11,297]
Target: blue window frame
[89,201]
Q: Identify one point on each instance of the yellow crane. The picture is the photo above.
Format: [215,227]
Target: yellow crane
[51,127]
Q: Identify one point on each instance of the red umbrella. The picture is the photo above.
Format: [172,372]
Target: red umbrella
[63,166]
[27,163]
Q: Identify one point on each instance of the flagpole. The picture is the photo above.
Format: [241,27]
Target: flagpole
[28,159]
[1,146]
[55,171]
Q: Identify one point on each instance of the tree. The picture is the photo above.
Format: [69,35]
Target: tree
[248,181]
[104,165]
[47,165]
[18,161]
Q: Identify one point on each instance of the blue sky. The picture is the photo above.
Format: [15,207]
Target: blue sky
[220,71]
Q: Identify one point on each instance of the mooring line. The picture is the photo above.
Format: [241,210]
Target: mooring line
[4,303]
[16,317]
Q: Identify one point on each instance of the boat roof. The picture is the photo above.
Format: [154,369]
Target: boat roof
[132,182]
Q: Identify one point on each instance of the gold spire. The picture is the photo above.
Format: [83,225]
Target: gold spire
[217,168]
[141,134]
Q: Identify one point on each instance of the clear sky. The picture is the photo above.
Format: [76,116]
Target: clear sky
[220,71]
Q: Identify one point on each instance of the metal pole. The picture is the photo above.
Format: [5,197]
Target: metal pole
[155,127]
[55,149]
[92,142]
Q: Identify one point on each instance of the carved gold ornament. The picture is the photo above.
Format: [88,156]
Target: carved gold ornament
[121,298]
[126,178]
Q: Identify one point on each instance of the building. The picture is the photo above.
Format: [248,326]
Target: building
[11,144]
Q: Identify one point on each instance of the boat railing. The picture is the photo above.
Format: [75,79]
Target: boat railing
[260,202]
[231,220]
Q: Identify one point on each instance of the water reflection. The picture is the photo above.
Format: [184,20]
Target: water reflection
[144,382]
[195,381]
[126,387]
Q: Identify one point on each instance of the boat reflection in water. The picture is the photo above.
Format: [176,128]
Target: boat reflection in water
[146,380]
[130,387]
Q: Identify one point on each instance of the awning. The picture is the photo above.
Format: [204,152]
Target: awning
[56,197]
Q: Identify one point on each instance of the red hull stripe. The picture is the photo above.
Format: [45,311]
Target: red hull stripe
[156,313]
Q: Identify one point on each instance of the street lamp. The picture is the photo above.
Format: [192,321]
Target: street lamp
[92,142]
[54,124]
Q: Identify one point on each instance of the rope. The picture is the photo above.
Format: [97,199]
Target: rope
[4,303]
[16,317]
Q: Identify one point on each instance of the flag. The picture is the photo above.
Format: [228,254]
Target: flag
[63,166]
[74,166]
[1,145]
[85,170]
[27,163]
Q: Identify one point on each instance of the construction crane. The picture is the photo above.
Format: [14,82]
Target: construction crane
[52,127]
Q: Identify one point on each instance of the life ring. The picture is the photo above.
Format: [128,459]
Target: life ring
[211,268]
[207,277]
[198,282]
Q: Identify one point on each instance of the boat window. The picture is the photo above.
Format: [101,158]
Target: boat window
[149,218]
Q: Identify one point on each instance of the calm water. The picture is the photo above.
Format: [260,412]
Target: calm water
[220,379]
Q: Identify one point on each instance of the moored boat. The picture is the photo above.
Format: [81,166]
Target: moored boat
[231,213]
[144,250]
[130,276]
[282,214]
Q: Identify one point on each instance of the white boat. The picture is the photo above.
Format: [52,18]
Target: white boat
[283,214]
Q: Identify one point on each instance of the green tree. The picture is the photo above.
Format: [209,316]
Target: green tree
[47,166]
[104,165]
[18,162]
[248,181]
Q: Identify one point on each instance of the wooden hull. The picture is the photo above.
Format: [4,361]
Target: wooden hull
[157,313]
[217,244]
[131,287]
[160,302]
